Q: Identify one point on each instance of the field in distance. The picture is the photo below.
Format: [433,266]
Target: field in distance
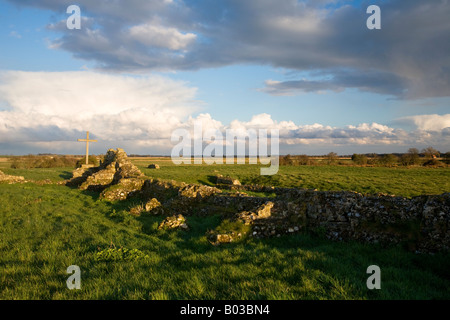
[402,181]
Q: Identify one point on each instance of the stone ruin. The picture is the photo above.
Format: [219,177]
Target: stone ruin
[220,179]
[261,213]
[421,223]
[116,177]
[174,222]
[10,179]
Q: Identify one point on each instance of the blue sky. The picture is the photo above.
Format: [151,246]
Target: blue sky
[309,68]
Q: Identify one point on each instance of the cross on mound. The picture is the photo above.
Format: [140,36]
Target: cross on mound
[87,146]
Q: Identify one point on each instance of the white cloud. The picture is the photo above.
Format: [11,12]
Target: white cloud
[48,111]
[429,122]
[159,36]
[113,107]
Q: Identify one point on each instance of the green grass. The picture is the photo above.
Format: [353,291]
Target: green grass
[400,181]
[53,174]
[45,229]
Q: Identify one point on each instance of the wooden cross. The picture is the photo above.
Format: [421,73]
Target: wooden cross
[87,145]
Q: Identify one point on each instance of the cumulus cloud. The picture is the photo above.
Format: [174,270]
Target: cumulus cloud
[428,122]
[153,35]
[408,58]
[52,106]
[371,137]
[49,111]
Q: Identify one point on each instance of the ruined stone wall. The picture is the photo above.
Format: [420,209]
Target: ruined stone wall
[421,224]
[10,179]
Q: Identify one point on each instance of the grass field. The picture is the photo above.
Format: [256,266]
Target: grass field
[46,228]
[400,181]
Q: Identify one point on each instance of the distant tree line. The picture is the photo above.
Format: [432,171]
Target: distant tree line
[48,161]
[427,157]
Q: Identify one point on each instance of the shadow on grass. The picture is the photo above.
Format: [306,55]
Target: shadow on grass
[66,175]
[212,179]
[206,183]
[327,269]
[94,195]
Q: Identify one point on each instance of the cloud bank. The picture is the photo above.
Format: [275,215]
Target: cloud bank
[49,111]
[407,59]
[61,106]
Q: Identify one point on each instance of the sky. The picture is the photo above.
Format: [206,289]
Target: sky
[138,70]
